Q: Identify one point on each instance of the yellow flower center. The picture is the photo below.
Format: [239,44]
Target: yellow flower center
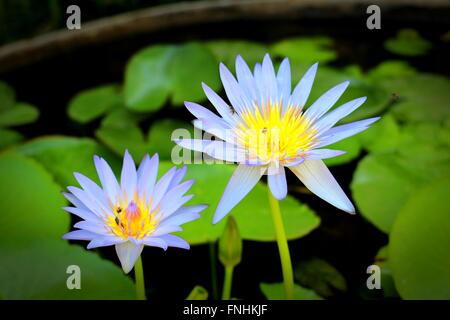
[135,220]
[272,136]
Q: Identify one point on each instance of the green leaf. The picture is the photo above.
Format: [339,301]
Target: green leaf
[419,248]
[162,133]
[408,42]
[90,104]
[31,202]
[275,291]
[192,64]
[422,97]
[7,96]
[351,146]
[39,271]
[19,114]
[391,68]
[62,156]
[122,118]
[147,81]
[198,293]
[9,138]
[119,139]
[382,136]
[226,51]
[383,183]
[252,213]
[305,50]
[320,276]
[386,279]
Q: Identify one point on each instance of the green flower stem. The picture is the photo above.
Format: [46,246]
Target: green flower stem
[228,280]
[283,248]
[139,279]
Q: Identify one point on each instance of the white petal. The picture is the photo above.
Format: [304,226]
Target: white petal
[302,90]
[277,181]
[147,174]
[318,179]
[128,178]
[128,253]
[108,179]
[241,183]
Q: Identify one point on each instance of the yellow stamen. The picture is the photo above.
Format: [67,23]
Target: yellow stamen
[272,136]
[134,220]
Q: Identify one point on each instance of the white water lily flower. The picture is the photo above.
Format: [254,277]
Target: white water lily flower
[266,129]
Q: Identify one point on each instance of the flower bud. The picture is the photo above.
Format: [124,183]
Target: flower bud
[230,244]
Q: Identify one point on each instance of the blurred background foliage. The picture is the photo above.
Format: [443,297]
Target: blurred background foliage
[398,170]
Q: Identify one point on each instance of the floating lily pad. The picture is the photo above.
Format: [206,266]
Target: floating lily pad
[19,114]
[90,104]
[391,68]
[305,50]
[275,291]
[9,138]
[252,214]
[62,156]
[147,81]
[160,138]
[39,271]
[190,65]
[351,146]
[408,42]
[419,248]
[320,276]
[7,95]
[422,97]
[382,136]
[226,51]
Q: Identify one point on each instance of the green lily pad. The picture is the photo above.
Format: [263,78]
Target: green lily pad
[422,97]
[305,50]
[62,156]
[351,146]
[382,136]
[19,114]
[198,293]
[160,138]
[7,95]
[190,65]
[92,103]
[275,291]
[31,202]
[382,183]
[320,276]
[391,68]
[252,213]
[147,81]
[386,279]
[226,51]
[122,118]
[408,42]
[9,138]
[39,271]
[118,139]
[419,248]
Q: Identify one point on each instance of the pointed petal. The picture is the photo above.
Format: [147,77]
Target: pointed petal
[318,154]
[155,242]
[128,178]
[234,92]
[284,81]
[245,79]
[80,235]
[325,102]
[108,179]
[147,174]
[82,213]
[161,187]
[270,81]
[128,253]
[277,182]
[303,89]
[241,183]
[318,179]
[175,241]
[222,107]
[104,242]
